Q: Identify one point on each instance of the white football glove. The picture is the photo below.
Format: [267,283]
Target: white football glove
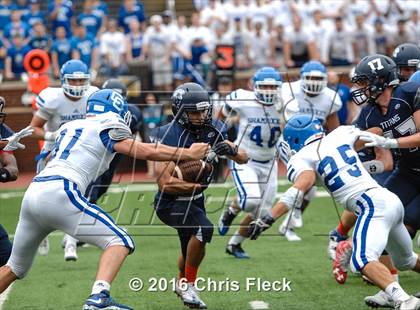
[13,143]
[373,140]
[285,152]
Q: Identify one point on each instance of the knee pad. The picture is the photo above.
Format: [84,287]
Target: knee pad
[405,263]
[125,241]
[251,205]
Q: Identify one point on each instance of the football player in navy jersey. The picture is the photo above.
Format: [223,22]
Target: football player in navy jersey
[407,58]
[178,203]
[390,109]
[8,170]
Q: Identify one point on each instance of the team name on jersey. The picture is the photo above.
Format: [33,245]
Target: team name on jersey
[311,110]
[263,120]
[71,117]
[390,122]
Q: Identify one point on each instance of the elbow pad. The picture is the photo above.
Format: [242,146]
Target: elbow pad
[374,166]
[292,198]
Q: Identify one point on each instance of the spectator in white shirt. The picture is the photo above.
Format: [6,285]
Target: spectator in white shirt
[403,35]
[363,43]
[157,49]
[413,25]
[233,10]
[336,48]
[299,45]
[112,51]
[276,47]
[382,37]
[241,41]
[261,11]
[199,30]
[260,40]
[319,28]
[212,15]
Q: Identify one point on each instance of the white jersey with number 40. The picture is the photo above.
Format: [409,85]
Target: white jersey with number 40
[259,125]
[336,163]
[83,149]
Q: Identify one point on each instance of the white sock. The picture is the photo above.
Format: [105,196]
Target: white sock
[236,238]
[233,210]
[396,277]
[70,241]
[396,292]
[99,286]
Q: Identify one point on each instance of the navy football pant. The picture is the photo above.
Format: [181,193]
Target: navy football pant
[405,183]
[5,246]
[189,219]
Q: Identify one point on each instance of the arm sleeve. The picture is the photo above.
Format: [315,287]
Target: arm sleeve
[113,130]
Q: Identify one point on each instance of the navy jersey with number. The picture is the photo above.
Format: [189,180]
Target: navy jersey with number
[397,122]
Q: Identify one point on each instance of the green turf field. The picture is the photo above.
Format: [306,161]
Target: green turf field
[55,284]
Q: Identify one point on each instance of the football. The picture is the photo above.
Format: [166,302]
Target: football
[195,171]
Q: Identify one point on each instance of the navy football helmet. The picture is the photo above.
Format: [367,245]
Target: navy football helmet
[117,85]
[300,130]
[407,58]
[373,74]
[191,97]
[108,100]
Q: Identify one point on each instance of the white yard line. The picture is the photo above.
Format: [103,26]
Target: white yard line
[3,296]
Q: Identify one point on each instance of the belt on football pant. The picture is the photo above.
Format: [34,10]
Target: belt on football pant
[261,161]
[181,198]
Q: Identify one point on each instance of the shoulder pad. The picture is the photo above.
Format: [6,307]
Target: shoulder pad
[47,98]
[118,128]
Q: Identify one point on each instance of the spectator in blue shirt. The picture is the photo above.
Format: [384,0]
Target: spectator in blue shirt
[14,60]
[84,47]
[134,41]
[131,10]
[16,27]
[3,53]
[61,14]
[100,9]
[60,50]
[39,38]
[35,14]
[6,8]
[23,7]
[89,20]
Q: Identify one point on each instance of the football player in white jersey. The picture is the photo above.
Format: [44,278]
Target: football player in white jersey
[57,106]
[308,96]
[54,200]
[258,135]
[333,160]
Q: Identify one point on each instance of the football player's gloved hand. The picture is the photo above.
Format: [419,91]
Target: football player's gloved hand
[259,225]
[285,152]
[13,143]
[224,148]
[373,140]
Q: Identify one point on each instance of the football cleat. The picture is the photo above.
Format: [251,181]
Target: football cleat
[70,253]
[335,238]
[341,262]
[44,247]
[297,218]
[103,301]
[289,233]
[380,300]
[236,250]
[225,221]
[410,304]
[190,297]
